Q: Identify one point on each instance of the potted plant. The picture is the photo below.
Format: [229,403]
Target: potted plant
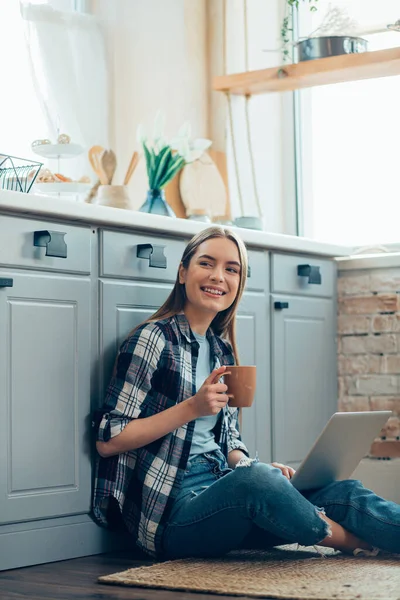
[165,160]
[334,36]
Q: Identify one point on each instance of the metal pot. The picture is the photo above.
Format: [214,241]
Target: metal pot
[332,45]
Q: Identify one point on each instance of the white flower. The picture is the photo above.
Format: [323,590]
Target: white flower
[191,150]
[159,124]
[197,148]
[181,144]
[185,131]
[141,135]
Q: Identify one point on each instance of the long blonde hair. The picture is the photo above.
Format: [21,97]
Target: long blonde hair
[224,323]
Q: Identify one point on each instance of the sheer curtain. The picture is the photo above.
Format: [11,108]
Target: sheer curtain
[21,117]
[68,62]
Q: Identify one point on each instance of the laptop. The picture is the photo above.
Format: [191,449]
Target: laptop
[344,441]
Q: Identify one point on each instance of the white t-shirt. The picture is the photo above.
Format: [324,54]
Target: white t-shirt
[203,436]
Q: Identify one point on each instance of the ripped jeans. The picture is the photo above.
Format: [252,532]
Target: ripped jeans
[219,509]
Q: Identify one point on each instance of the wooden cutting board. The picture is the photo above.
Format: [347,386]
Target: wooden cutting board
[202,187]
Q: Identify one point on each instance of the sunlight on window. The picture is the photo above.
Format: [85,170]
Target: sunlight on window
[22,119]
[350,138]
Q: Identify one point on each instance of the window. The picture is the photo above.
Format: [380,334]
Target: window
[22,119]
[348,189]
[21,116]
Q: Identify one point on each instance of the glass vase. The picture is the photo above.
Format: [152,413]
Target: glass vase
[156,204]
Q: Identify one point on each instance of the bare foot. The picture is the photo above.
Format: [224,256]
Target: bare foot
[341,539]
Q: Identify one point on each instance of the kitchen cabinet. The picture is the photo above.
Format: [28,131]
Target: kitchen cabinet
[46,363]
[45,397]
[303,353]
[45,350]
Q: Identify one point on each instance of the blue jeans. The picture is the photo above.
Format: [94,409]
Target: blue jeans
[219,509]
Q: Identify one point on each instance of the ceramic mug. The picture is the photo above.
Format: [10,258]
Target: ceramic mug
[241,382]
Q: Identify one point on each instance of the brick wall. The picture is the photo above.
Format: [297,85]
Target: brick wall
[369,348]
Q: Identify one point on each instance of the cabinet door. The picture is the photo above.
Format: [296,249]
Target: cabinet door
[45,345]
[123,307]
[253,346]
[304,377]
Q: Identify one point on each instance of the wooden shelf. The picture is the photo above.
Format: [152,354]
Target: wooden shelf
[323,71]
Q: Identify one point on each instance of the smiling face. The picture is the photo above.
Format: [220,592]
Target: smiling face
[211,280]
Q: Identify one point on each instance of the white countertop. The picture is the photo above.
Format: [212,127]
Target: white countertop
[58,209]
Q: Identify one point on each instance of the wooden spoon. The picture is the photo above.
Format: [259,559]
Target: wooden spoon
[95,155]
[109,164]
[132,166]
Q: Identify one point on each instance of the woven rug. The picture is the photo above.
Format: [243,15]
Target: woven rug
[282,572]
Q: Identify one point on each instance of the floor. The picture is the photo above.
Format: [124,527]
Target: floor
[77,580]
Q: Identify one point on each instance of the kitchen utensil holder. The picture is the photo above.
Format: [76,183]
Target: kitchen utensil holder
[18,174]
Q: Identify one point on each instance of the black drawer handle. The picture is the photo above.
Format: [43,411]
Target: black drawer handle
[53,240]
[154,253]
[248,271]
[313,273]
[281,305]
[6,282]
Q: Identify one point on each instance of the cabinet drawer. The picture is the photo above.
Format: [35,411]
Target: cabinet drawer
[119,256]
[67,247]
[285,277]
[257,276]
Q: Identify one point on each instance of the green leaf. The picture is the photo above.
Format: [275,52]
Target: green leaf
[149,161]
[163,159]
[152,167]
[177,158]
[169,175]
[287,22]
[173,169]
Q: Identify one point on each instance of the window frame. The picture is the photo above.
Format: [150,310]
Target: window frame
[290,197]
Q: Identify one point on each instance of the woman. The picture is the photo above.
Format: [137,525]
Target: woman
[172,468]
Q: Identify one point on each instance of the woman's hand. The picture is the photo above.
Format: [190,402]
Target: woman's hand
[286,471]
[211,397]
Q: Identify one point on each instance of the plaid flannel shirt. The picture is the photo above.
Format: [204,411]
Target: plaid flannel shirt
[156,369]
